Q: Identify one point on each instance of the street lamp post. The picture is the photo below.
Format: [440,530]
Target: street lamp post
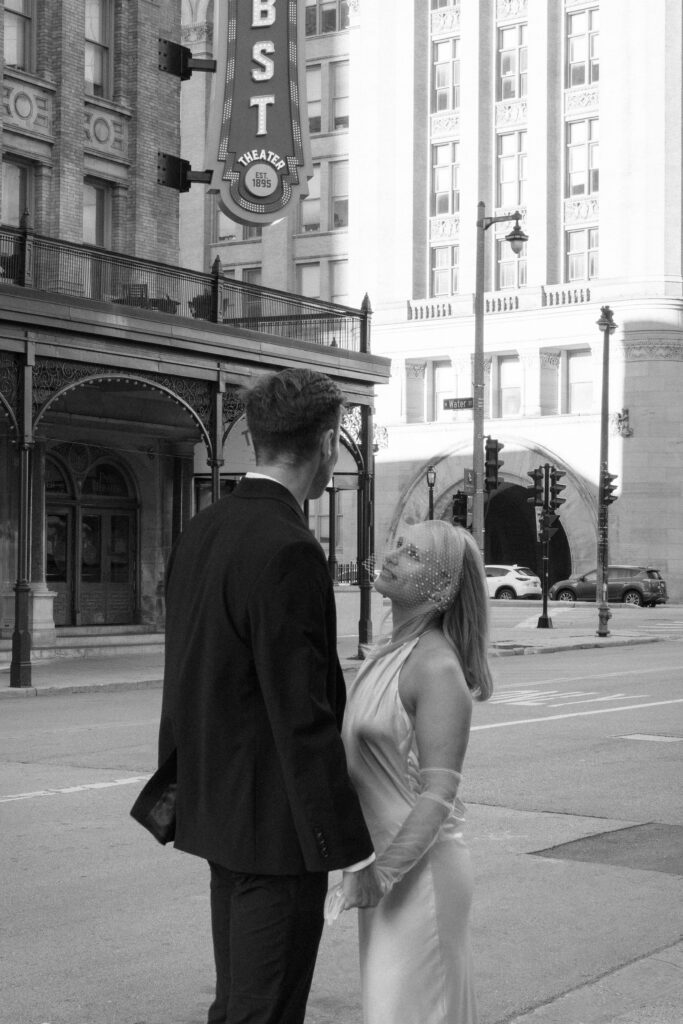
[431,480]
[516,238]
[607,326]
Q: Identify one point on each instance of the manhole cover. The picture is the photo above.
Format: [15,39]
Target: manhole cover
[651,847]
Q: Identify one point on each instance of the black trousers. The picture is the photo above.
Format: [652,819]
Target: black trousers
[266,933]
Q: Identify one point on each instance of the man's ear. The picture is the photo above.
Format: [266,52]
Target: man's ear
[326,443]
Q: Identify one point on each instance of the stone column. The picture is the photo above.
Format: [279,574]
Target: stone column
[531,383]
[42,599]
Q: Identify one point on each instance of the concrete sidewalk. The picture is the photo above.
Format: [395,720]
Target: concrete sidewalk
[81,669]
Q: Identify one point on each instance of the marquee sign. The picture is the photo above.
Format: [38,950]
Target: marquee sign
[257,147]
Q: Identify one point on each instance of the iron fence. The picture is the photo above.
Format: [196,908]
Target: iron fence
[52,265]
[346,572]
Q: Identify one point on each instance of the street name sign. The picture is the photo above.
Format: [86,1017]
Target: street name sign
[453,404]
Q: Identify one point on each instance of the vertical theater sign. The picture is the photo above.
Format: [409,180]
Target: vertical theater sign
[257,149]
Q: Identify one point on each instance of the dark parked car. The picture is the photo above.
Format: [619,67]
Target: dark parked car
[632,584]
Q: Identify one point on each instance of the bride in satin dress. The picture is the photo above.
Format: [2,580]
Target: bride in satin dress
[406,730]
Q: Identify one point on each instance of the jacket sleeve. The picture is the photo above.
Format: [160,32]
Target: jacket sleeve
[293,636]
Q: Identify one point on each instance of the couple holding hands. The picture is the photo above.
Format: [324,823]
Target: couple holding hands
[282,777]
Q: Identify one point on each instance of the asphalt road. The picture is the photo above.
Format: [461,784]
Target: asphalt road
[102,926]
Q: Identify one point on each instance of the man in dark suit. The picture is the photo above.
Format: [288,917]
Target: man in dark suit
[253,702]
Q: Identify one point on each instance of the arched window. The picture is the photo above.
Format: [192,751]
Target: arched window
[105,481]
[56,481]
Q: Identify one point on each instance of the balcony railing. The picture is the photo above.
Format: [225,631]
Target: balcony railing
[522,300]
[51,265]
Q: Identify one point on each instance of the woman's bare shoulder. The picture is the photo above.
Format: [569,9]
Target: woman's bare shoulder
[432,667]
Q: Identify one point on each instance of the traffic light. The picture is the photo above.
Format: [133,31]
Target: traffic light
[554,500]
[548,527]
[537,496]
[460,508]
[608,488]
[492,463]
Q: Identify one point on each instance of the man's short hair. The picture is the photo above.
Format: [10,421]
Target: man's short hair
[288,411]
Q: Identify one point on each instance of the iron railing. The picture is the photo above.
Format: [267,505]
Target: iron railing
[51,265]
[345,572]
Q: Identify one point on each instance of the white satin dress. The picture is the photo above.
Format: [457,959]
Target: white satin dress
[415,960]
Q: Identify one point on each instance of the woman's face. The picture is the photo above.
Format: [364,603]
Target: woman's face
[409,572]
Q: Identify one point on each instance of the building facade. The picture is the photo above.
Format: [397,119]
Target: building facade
[120,370]
[569,112]
[539,108]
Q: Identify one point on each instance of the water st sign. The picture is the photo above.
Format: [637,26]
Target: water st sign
[453,404]
[257,146]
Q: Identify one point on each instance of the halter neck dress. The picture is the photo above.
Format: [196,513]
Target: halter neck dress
[415,960]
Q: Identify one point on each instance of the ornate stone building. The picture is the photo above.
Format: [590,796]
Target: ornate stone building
[545,108]
[119,370]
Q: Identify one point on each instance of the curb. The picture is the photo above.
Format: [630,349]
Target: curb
[348,665]
[581,646]
[18,692]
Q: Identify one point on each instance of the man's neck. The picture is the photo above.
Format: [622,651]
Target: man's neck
[297,479]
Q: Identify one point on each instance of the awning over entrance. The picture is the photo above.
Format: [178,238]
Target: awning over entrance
[104,404]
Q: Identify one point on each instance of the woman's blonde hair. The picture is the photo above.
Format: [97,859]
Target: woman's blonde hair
[465,622]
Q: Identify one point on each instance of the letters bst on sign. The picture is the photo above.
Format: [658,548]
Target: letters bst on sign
[257,146]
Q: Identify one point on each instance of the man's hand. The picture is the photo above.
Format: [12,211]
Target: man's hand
[361,888]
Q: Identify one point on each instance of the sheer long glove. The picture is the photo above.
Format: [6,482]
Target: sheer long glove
[421,828]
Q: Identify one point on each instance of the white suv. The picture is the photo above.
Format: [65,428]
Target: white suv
[507,582]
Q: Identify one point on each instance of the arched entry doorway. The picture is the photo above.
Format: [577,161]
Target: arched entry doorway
[510,534]
[91,549]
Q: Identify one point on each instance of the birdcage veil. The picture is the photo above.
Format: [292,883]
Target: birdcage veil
[438,549]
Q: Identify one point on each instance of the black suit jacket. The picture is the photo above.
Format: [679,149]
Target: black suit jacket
[254,694]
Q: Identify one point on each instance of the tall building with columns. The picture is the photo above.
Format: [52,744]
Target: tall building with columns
[553,109]
[570,112]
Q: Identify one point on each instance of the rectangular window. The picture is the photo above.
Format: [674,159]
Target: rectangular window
[579,381]
[446,75]
[445,264]
[314,98]
[17,181]
[228,230]
[91,549]
[445,178]
[339,281]
[96,213]
[97,39]
[17,48]
[252,306]
[511,268]
[512,169]
[251,275]
[512,62]
[582,254]
[509,386]
[583,157]
[339,199]
[324,16]
[310,206]
[583,59]
[308,280]
[340,96]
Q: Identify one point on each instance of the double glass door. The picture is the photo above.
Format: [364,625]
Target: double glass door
[91,564]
